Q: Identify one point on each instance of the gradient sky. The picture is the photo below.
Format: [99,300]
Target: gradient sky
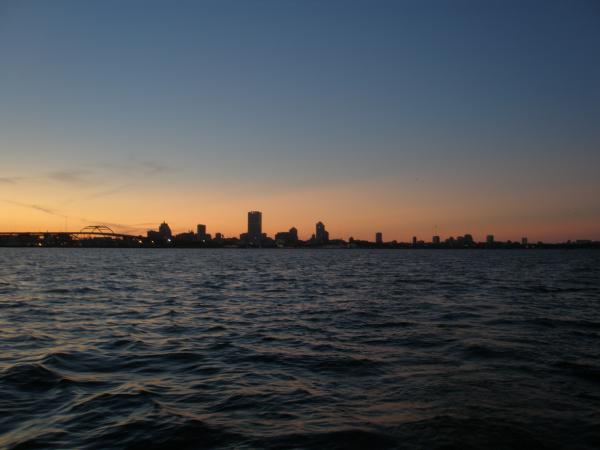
[404,117]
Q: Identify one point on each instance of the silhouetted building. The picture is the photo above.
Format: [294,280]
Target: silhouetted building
[154,235]
[294,234]
[414,240]
[165,231]
[218,236]
[524,241]
[489,239]
[201,232]
[378,238]
[321,235]
[185,238]
[287,237]
[163,235]
[436,240]
[255,225]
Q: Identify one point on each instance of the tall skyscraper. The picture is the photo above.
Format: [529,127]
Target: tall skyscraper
[489,239]
[378,238]
[201,231]
[436,240]
[254,224]
[321,235]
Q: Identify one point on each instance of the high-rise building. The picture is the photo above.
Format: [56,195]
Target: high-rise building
[378,238]
[436,240]
[165,231]
[201,231]
[254,224]
[293,234]
[524,241]
[414,240]
[321,235]
[489,239]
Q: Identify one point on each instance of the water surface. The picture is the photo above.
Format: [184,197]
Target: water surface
[142,348]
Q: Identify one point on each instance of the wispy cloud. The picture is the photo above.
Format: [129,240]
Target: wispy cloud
[136,167]
[78,177]
[153,167]
[44,209]
[10,180]
[137,228]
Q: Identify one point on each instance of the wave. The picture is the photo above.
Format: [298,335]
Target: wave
[32,377]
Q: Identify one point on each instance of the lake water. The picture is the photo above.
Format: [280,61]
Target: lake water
[143,348]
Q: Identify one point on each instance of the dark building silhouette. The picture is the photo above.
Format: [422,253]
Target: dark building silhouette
[287,237]
[162,235]
[378,238]
[321,235]
[186,238]
[165,231]
[294,234]
[104,237]
[201,231]
[255,225]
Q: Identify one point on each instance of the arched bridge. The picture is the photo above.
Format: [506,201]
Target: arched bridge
[92,231]
[89,233]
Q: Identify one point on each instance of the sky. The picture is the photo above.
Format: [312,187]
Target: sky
[406,117]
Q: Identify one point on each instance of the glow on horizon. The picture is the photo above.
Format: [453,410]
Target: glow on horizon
[302,208]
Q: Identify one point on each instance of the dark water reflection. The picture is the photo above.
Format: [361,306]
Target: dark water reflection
[108,348]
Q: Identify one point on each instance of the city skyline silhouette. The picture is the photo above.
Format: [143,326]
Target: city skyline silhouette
[255,237]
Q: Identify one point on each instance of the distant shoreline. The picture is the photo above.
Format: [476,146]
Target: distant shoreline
[529,248]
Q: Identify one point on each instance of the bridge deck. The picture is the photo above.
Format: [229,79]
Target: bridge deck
[67,233]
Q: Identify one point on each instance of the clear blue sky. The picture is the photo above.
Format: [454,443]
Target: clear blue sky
[473,116]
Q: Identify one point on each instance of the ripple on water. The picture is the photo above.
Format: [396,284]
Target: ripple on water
[31,377]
